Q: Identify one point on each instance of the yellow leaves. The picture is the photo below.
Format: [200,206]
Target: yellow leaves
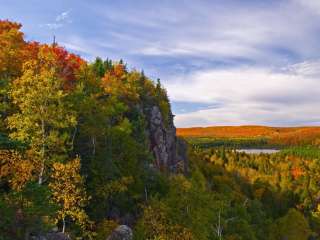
[125,126]
[67,184]
[116,186]
[105,228]
[16,169]
[121,84]
[180,182]
[156,225]
[68,191]
[44,115]
[316,211]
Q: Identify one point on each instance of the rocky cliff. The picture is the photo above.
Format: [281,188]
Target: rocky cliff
[168,150]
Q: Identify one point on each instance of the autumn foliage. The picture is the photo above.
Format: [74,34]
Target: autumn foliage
[281,135]
[54,108]
[76,157]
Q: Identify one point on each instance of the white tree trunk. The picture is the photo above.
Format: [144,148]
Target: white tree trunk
[40,180]
[63,225]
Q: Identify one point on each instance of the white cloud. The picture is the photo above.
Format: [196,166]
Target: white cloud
[63,16]
[60,20]
[270,89]
[312,5]
[253,32]
[250,115]
[250,95]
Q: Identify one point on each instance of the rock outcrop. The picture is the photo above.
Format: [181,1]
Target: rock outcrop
[122,232]
[164,143]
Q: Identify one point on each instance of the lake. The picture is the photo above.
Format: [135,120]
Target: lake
[258,151]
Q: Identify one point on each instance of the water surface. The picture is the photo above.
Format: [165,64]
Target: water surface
[258,151]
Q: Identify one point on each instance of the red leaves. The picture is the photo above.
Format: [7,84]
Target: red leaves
[31,50]
[69,64]
[15,51]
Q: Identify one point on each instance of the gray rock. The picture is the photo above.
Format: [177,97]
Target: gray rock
[122,232]
[163,142]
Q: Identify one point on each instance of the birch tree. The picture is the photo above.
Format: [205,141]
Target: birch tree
[44,117]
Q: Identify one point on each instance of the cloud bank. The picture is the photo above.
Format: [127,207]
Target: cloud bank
[250,95]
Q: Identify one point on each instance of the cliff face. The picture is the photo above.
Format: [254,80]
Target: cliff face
[169,152]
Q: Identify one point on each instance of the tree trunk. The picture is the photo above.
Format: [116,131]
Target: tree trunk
[40,180]
[63,225]
[93,139]
[73,136]
[146,193]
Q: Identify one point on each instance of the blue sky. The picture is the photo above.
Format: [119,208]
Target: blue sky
[223,62]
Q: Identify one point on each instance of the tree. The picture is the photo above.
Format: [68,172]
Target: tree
[99,67]
[15,169]
[11,58]
[11,49]
[155,224]
[44,116]
[26,211]
[293,226]
[68,192]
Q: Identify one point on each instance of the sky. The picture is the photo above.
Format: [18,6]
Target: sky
[223,62]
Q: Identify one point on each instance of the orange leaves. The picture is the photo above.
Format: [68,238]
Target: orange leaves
[118,82]
[14,52]
[112,82]
[226,131]
[281,136]
[6,25]
[11,49]
[16,169]
[297,172]
[119,70]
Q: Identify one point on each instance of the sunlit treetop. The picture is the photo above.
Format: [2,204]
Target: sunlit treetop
[12,49]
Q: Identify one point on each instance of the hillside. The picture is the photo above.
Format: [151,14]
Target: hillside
[83,145]
[275,135]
